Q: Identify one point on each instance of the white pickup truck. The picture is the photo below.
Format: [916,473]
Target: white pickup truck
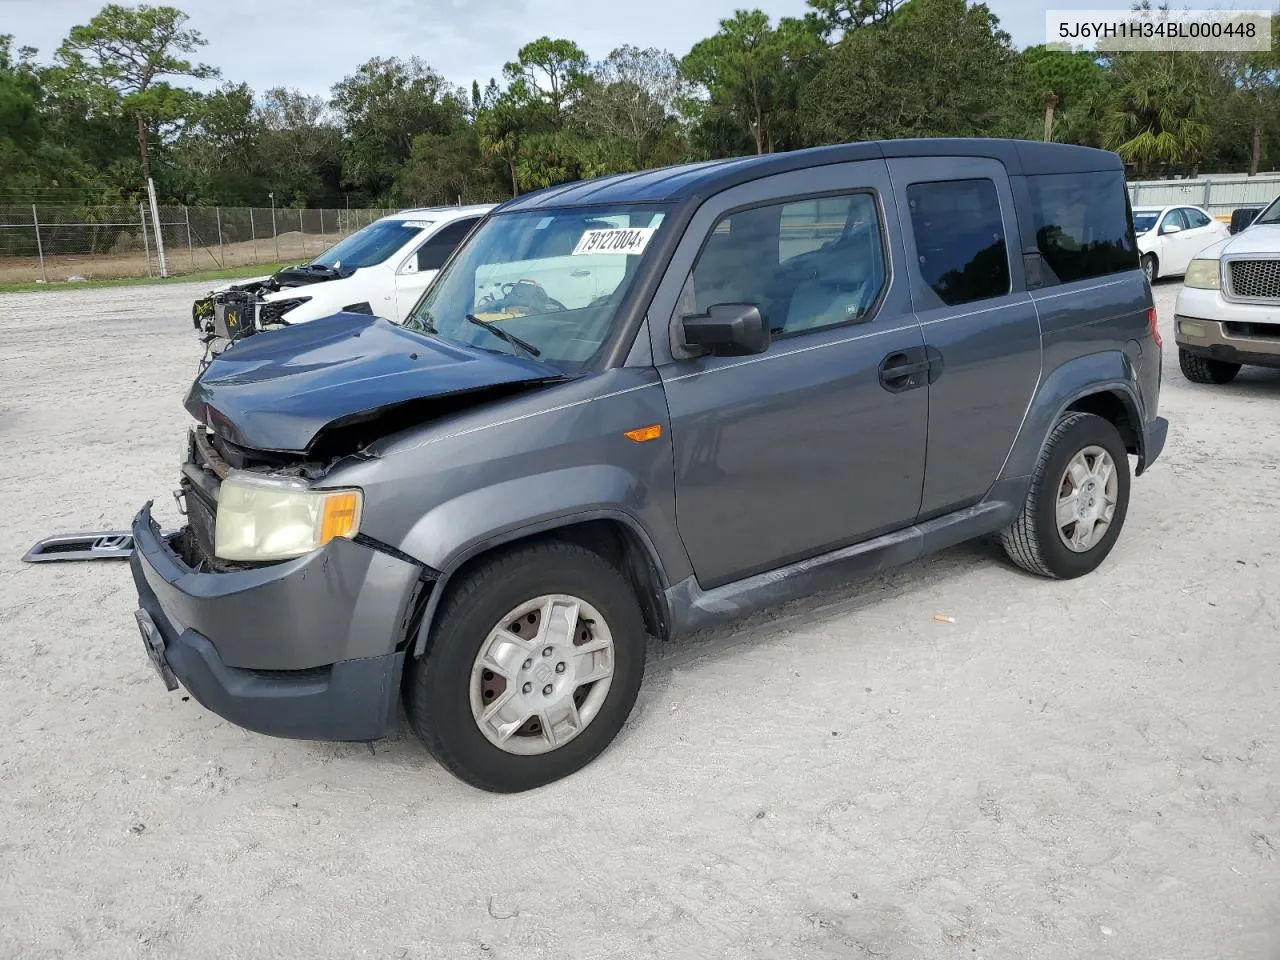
[1228,312]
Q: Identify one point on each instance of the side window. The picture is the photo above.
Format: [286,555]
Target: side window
[1173,218]
[807,264]
[960,239]
[433,253]
[1196,218]
[1082,224]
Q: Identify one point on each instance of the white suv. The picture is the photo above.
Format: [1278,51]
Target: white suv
[1228,313]
[381,269]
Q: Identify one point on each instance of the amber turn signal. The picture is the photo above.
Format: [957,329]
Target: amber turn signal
[643,434]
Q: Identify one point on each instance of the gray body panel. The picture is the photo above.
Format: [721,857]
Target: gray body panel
[760,441]
[773,475]
[990,350]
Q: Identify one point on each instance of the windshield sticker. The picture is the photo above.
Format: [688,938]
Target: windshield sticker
[415,224]
[628,240]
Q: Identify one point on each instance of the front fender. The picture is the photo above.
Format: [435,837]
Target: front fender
[456,530]
[1110,371]
[466,526]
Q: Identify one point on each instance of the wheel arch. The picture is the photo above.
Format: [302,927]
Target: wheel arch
[1102,384]
[613,534]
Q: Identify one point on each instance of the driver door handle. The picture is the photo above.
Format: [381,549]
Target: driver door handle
[905,370]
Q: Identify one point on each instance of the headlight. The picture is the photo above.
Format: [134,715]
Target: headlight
[273,310]
[1202,275]
[266,518]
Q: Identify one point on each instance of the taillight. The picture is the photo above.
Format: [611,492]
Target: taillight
[1155,330]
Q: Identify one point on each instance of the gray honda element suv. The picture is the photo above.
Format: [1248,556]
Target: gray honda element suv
[640,405]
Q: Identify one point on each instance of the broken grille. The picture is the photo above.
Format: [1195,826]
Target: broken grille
[1255,279]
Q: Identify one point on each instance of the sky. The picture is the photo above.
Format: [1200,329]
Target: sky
[311,44]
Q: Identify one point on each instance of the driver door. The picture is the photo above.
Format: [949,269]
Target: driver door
[1175,252]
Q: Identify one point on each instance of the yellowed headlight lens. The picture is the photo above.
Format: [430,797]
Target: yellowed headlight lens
[1202,275]
[266,518]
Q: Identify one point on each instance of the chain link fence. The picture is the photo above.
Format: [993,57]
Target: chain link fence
[60,242]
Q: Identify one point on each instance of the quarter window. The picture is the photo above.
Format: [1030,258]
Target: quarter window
[1082,224]
[960,239]
[807,264]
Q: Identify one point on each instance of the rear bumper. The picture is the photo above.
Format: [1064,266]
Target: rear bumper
[197,624]
[1153,445]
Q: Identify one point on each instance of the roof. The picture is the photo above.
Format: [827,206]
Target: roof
[441,213]
[696,180]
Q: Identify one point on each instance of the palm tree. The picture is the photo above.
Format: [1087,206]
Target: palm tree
[1154,116]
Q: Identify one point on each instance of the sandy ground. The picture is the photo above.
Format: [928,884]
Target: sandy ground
[1086,769]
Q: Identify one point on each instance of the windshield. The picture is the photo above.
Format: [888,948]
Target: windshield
[1144,221]
[1271,214]
[550,283]
[372,244]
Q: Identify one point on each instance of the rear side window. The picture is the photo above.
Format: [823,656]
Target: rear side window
[1082,224]
[433,253]
[960,240]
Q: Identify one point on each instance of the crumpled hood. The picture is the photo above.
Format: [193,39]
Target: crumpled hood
[279,389]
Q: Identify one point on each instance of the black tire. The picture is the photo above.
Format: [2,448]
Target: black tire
[1199,369]
[1150,266]
[1032,541]
[438,701]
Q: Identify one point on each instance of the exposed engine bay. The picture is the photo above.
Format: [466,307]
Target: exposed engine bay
[240,310]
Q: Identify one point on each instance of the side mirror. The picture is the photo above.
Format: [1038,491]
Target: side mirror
[1171,228]
[409,267]
[728,330]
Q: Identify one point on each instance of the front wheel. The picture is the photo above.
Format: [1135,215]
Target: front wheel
[1150,267]
[1077,503]
[533,667]
[1199,369]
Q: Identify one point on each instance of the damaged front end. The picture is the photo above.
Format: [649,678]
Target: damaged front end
[276,415]
[242,309]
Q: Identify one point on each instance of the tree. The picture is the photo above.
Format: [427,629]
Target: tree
[751,72]
[120,58]
[631,96]
[547,75]
[382,108]
[1253,86]
[934,68]
[300,147]
[444,168]
[500,125]
[218,152]
[1075,78]
[835,18]
[1155,116]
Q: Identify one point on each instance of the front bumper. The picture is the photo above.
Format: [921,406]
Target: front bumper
[1253,342]
[311,649]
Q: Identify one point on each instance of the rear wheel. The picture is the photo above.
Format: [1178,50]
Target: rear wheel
[1077,503]
[1199,369]
[533,667]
